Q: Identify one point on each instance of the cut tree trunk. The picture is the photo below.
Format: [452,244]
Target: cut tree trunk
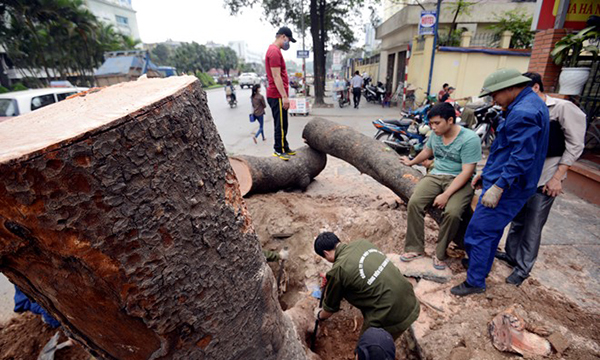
[120,215]
[368,155]
[270,174]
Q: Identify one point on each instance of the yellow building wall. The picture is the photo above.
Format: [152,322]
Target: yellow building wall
[464,71]
[371,69]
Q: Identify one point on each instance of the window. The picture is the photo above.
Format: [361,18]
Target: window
[41,101]
[8,107]
[122,20]
[63,96]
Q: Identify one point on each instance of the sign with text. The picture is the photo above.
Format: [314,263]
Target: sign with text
[577,13]
[302,54]
[427,23]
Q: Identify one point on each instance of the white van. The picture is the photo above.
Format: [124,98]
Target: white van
[21,102]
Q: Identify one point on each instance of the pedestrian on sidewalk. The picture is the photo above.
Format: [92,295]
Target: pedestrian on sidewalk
[356,82]
[456,151]
[278,91]
[258,110]
[367,279]
[565,145]
[510,175]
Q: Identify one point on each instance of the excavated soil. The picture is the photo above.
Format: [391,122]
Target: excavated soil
[354,206]
[24,336]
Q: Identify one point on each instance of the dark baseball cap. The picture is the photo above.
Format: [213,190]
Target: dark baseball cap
[376,344]
[287,32]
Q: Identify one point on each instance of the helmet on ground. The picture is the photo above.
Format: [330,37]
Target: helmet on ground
[502,79]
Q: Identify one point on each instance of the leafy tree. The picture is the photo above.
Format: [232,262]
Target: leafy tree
[517,22]
[460,7]
[227,59]
[58,37]
[161,54]
[328,22]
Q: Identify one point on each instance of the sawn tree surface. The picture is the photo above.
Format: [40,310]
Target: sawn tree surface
[120,214]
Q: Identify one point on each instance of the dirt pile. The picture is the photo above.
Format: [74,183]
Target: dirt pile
[24,336]
[448,327]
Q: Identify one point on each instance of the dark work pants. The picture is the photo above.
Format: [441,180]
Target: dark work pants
[356,92]
[280,120]
[524,238]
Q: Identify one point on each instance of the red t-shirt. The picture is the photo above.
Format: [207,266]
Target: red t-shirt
[274,58]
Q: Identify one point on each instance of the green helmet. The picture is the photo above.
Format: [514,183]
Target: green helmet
[502,79]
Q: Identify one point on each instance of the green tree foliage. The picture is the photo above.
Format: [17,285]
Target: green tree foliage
[193,57]
[205,79]
[61,38]
[330,24]
[517,22]
[161,54]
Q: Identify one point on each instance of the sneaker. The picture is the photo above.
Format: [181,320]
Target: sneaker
[290,152]
[285,157]
[515,279]
[501,255]
[465,289]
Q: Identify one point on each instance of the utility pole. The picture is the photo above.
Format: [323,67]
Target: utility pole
[303,49]
[435,40]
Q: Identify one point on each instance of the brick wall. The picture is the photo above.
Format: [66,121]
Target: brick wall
[541,61]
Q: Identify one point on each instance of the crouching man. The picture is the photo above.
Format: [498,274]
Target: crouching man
[367,279]
[456,151]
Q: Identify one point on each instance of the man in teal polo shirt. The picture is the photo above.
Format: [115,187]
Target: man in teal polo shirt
[367,279]
[456,151]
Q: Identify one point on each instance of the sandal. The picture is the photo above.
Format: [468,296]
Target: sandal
[438,264]
[410,256]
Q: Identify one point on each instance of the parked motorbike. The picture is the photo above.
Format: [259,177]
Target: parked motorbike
[404,135]
[488,118]
[372,93]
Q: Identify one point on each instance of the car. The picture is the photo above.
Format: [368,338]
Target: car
[249,80]
[21,102]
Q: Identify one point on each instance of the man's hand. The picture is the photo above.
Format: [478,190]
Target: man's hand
[286,103]
[477,182]
[441,200]
[553,187]
[492,197]
[406,161]
[284,254]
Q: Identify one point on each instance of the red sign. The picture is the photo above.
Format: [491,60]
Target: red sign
[577,14]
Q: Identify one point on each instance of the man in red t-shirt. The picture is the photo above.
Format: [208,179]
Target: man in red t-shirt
[278,90]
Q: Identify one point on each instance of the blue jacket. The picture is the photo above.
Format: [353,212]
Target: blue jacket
[517,156]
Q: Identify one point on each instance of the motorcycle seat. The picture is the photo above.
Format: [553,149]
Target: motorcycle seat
[401,122]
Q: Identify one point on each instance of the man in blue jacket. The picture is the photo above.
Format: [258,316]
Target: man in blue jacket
[511,173]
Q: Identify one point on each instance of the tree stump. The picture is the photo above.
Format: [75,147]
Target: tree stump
[120,215]
[368,155]
[270,174]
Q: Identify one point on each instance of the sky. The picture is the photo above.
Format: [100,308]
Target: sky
[208,20]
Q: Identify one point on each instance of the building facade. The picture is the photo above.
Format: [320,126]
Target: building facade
[245,54]
[118,13]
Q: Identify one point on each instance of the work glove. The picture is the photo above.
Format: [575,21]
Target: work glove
[492,197]
[284,254]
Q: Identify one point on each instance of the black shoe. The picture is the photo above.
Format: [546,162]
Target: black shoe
[465,289]
[515,279]
[501,255]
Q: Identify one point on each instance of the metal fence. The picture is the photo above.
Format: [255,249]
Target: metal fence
[485,40]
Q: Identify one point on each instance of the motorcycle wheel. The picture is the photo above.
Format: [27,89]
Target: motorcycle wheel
[341,102]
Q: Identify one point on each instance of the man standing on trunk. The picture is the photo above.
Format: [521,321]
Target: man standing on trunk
[356,83]
[278,91]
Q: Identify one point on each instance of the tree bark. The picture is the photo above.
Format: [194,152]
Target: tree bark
[269,174]
[368,155]
[120,215]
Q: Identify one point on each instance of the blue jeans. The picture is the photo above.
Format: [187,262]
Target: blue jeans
[261,129]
